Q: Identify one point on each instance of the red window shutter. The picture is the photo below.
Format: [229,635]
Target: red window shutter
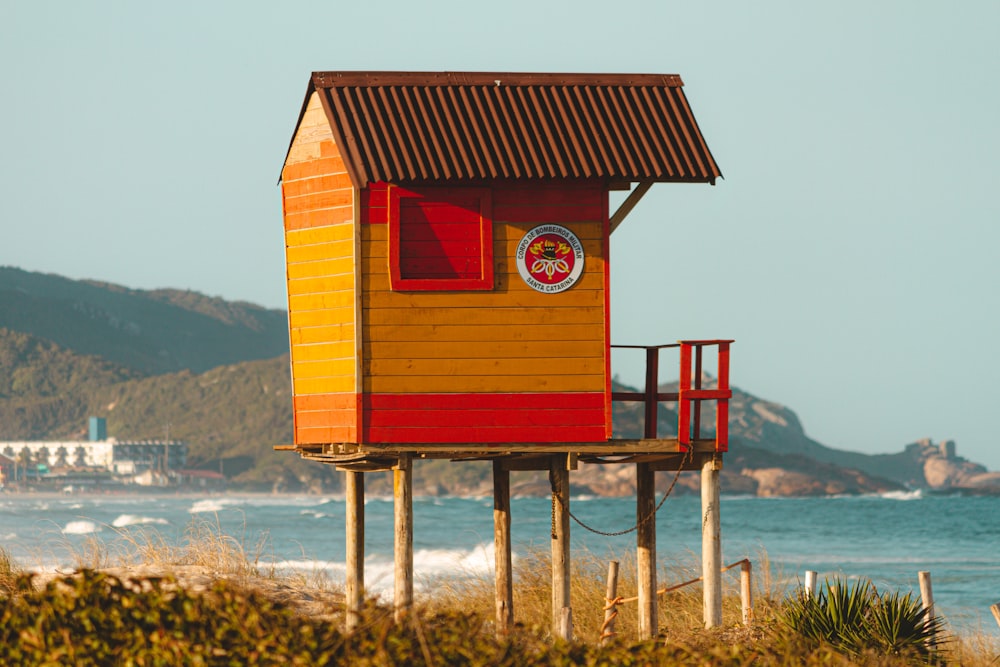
[440,239]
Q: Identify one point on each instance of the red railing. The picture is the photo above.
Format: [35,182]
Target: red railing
[690,393]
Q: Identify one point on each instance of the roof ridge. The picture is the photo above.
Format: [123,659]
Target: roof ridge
[328,79]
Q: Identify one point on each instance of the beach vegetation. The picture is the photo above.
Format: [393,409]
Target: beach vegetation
[854,617]
[214,601]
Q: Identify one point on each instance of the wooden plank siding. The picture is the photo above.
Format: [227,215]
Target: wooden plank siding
[508,364]
[322,274]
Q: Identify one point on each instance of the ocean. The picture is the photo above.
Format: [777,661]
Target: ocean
[887,538]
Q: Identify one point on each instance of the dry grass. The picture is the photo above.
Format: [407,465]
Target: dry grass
[679,612]
[978,650]
[207,554]
[205,545]
[9,572]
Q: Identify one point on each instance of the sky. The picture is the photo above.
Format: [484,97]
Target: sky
[850,249]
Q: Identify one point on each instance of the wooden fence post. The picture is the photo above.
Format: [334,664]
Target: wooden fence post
[746,592]
[996,612]
[560,542]
[926,595]
[566,624]
[711,541]
[610,606]
[402,490]
[502,549]
[646,549]
[810,587]
[354,523]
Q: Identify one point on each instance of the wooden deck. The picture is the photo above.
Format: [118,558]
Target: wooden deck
[660,453]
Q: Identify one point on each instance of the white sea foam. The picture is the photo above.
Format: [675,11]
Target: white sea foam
[451,562]
[916,494]
[80,528]
[429,565]
[212,505]
[315,513]
[285,501]
[332,569]
[136,520]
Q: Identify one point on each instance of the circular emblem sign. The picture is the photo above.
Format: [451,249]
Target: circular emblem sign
[550,258]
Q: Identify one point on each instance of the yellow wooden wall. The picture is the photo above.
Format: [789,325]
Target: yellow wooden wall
[320,251]
[512,339]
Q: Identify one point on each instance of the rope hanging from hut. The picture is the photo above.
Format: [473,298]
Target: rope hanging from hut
[688,455]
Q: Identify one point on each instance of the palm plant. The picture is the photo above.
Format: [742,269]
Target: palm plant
[856,618]
[900,624]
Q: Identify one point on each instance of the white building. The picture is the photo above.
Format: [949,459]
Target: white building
[127,457]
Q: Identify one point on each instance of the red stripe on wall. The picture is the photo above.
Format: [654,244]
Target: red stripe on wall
[326,418]
[339,401]
[583,193]
[323,418]
[475,435]
[326,435]
[486,418]
[547,214]
[375,204]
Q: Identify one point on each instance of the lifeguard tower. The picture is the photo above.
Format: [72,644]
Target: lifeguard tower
[447,243]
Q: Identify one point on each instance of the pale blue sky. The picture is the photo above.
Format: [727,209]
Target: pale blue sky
[850,250]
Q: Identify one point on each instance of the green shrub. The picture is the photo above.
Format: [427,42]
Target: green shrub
[857,619]
[93,618]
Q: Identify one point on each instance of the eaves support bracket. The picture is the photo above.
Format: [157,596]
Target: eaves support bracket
[627,205]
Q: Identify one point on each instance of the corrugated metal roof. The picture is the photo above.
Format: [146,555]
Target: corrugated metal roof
[462,126]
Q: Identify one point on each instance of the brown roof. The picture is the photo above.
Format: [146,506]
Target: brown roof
[469,126]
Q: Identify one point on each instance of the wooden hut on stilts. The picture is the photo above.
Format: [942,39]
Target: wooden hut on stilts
[447,243]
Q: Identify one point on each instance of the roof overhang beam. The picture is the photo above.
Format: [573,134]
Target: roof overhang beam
[626,206]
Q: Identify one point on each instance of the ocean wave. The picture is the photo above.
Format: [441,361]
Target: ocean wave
[136,520]
[312,566]
[285,501]
[316,513]
[475,561]
[80,528]
[212,505]
[429,567]
[916,494]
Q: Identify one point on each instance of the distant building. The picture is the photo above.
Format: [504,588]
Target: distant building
[6,470]
[121,457]
[203,479]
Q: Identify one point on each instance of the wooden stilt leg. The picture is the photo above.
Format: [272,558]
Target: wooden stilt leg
[560,543]
[646,550]
[402,491]
[711,541]
[355,524]
[501,545]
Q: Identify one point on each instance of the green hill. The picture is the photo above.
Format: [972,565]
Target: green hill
[147,331]
[231,416]
[216,375]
